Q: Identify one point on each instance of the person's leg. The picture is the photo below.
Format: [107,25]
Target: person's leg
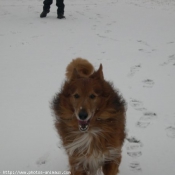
[46,8]
[61,6]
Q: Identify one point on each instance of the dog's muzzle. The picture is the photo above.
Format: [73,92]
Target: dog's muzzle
[83,120]
[83,125]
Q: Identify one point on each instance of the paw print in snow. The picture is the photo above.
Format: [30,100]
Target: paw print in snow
[148,83]
[134,69]
[136,104]
[170,131]
[134,147]
[135,167]
[146,119]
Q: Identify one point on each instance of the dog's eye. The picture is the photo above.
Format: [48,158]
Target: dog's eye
[76,96]
[92,96]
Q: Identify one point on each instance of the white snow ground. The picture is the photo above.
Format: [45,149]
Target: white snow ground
[135,42]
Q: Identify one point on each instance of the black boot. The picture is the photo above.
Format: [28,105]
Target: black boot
[44,13]
[60,16]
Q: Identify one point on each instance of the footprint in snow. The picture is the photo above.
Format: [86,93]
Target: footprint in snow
[135,167]
[134,147]
[171,42]
[134,69]
[170,131]
[101,36]
[42,160]
[146,119]
[134,150]
[171,59]
[147,50]
[136,104]
[143,42]
[148,83]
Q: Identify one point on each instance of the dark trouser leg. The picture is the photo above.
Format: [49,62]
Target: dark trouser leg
[46,8]
[60,5]
[47,4]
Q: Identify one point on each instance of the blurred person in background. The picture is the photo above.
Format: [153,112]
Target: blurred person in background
[46,8]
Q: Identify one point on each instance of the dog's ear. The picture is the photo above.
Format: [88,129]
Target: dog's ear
[75,75]
[98,74]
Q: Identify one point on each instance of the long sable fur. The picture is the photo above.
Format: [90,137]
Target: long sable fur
[101,145]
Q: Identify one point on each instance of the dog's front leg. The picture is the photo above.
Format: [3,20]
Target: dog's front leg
[77,172]
[111,168]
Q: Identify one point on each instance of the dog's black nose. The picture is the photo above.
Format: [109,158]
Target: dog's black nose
[83,114]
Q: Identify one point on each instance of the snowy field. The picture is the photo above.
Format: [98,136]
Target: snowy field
[135,42]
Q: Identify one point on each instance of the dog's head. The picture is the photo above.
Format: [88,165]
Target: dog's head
[85,96]
[88,102]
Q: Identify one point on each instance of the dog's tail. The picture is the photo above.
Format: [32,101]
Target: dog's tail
[82,66]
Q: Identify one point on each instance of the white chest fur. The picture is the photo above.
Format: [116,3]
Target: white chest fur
[82,146]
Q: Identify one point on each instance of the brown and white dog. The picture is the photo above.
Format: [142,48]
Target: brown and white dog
[90,119]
